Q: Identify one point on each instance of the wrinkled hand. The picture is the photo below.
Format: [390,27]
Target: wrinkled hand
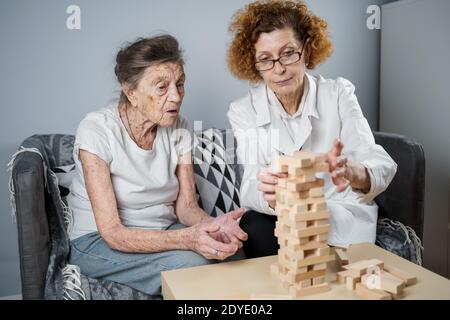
[204,244]
[268,179]
[229,231]
[338,166]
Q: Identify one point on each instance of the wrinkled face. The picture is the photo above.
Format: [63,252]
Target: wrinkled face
[284,80]
[160,93]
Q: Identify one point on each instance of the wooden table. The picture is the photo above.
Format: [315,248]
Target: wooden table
[244,279]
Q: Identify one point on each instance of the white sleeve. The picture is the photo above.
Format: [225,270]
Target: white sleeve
[250,197]
[92,137]
[359,143]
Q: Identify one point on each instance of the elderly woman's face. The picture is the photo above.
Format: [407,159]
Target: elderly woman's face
[282,79]
[160,93]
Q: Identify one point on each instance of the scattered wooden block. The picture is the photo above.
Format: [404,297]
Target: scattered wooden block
[342,275]
[385,283]
[405,276]
[341,257]
[359,268]
[364,292]
[351,281]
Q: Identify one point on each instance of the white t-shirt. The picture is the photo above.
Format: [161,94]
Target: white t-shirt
[144,181]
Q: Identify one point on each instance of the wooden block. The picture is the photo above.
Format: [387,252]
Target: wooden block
[310,245]
[342,275]
[318,206]
[297,255]
[317,158]
[318,280]
[385,283]
[320,222]
[405,276]
[279,167]
[309,216]
[299,186]
[322,251]
[391,276]
[322,167]
[299,208]
[302,175]
[351,282]
[374,294]
[320,237]
[296,277]
[316,192]
[304,283]
[321,266]
[282,183]
[293,241]
[312,231]
[307,261]
[300,161]
[359,268]
[298,292]
[341,257]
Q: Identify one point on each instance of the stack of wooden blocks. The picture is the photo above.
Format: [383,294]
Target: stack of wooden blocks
[302,225]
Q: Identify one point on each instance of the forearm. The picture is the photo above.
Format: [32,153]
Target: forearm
[192,214]
[133,240]
[358,176]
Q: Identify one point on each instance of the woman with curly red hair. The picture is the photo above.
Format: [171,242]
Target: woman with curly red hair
[287,109]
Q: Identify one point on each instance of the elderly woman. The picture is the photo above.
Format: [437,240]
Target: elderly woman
[274,43]
[133,198]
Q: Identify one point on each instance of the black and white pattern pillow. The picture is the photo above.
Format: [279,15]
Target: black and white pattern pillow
[215,177]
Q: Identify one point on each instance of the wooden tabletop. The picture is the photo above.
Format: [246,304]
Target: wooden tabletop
[250,278]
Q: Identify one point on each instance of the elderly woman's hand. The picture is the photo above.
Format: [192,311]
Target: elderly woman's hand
[229,231]
[201,241]
[268,179]
[346,173]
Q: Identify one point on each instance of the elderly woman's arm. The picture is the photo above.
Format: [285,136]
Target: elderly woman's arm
[117,236]
[190,213]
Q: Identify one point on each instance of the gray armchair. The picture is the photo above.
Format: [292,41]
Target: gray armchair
[40,233]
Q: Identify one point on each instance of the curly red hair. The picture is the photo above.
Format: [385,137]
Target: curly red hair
[266,16]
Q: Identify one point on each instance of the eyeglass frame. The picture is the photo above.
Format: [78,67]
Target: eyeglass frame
[274,61]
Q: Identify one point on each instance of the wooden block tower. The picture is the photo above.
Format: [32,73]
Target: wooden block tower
[302,225]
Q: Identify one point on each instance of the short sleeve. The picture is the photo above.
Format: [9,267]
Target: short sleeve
[182,137]
[92,137]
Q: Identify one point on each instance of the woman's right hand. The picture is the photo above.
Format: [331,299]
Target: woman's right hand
[204,244]
[268,179]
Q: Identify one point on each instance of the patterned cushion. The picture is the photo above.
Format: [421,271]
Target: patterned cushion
[215,177]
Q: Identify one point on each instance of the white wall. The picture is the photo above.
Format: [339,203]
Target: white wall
[51,77]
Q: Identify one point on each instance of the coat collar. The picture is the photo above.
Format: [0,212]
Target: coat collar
[282,141]
[261,102]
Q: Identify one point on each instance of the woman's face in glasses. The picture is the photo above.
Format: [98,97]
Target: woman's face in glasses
[284,80]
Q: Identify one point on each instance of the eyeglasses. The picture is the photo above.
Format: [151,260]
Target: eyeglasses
[284,60]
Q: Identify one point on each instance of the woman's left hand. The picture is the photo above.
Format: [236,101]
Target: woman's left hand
[346,173]
[229,228]
[338,166]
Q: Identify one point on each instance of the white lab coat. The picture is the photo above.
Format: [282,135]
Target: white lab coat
[330,110]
